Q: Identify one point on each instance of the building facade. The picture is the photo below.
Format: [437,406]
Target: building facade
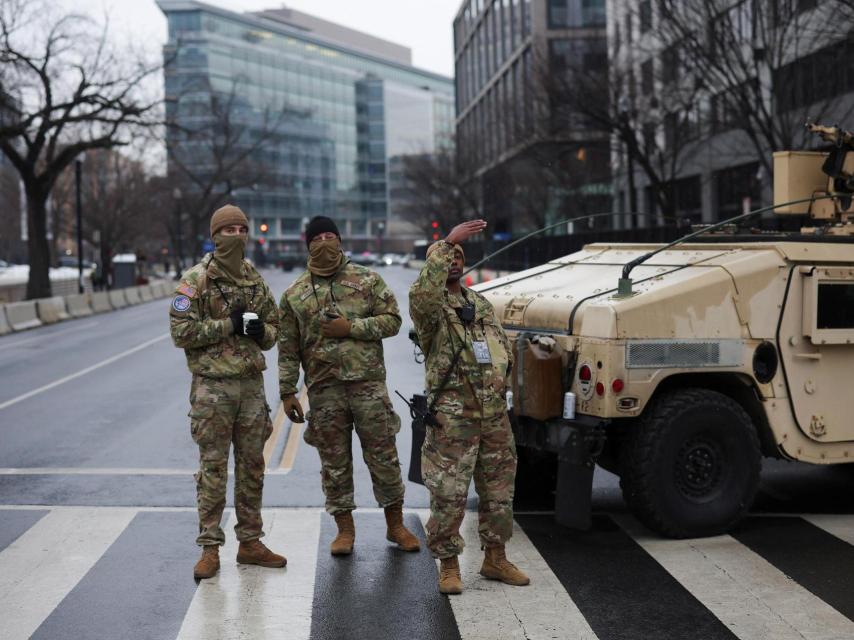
[334,105]
[711,121]
[513,137]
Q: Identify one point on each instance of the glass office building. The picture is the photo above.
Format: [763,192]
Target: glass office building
[336,104]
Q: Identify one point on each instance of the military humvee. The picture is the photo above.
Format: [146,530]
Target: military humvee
[679,367]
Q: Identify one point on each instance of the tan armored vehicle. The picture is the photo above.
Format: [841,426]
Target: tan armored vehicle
[680,367]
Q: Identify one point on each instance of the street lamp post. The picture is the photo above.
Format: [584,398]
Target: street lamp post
[78,168]
[176,195]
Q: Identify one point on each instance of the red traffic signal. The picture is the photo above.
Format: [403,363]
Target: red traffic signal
[264,227]
[434,224]
[435,236]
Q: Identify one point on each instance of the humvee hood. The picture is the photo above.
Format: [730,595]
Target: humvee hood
[691,291]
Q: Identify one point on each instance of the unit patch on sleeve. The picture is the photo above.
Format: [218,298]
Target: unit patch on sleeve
[181,303]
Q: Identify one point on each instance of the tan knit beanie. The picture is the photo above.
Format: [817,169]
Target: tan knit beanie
[458,248]
[226,216]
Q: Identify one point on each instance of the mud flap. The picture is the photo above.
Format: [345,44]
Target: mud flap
[576,463]
[419,403]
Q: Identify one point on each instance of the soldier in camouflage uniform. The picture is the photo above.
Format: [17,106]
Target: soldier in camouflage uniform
[332,322]
[227,399]
[474,437]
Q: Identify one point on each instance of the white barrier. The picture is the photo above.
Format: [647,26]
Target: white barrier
[4,324]
[80,305]
[145,293]
[117,299]
[132,295]
[23,315]
[101,302]
[51,310]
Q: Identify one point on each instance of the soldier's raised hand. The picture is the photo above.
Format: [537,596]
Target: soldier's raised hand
[465,230]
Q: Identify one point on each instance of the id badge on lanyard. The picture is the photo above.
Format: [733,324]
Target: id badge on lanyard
[481,351]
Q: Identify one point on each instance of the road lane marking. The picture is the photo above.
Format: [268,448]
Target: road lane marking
[489,609]
[289,455]
[41,338]
[747,593]
[841,526]
[82,372]
[110,471]
[272,441]
[39,569]
[253,602]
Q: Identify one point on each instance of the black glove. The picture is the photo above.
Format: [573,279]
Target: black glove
[237,321]
[255,329]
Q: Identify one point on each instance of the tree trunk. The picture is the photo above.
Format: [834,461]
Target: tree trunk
[38,285]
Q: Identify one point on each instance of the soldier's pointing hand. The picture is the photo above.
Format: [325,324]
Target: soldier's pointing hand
[465,230]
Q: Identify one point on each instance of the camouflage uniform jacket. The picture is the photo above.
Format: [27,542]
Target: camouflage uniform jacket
[199,322]
[474,390]
[364,299]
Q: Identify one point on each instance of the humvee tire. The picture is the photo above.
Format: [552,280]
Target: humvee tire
[690,467]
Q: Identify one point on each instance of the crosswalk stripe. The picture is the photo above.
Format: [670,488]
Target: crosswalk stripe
[838,525]
[46,562]
[747,593]
[253,602]
[488,609]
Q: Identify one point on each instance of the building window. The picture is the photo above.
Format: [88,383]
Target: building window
[645,11]
[563,14]
[737,189]
[670,64]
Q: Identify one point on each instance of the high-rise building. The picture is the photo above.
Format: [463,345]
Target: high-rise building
[712,89]
[510,130]
[337,105]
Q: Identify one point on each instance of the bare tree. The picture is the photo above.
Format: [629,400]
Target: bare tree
[767,66]
[64,89]
[439,190]
[642,114]
[217,144]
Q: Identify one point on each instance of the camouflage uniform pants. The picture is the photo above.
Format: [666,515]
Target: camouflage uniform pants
[451,455]
[228,412]
[335,410]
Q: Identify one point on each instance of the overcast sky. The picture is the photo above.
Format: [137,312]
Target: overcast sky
[422,25]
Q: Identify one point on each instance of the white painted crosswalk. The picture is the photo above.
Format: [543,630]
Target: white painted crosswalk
[776,578]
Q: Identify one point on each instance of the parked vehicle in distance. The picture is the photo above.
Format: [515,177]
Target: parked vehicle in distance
[365,258]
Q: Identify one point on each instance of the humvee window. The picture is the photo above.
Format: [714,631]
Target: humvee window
[835,306]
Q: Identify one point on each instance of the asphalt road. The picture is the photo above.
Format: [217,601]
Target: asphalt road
[94,412]
[97,521]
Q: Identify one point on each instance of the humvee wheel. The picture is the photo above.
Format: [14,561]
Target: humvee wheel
[690,466]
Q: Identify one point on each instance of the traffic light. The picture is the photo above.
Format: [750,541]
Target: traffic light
[435,226]
[264,227]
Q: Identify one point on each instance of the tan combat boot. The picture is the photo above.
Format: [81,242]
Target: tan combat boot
[343,543]
[450,581]
[255,552]
[396,532]
[496,566]
[208,564]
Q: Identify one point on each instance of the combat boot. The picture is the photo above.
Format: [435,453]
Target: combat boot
[496,566]
[255,552]
[396,532]
[343,543]
[208,564]
[450,581]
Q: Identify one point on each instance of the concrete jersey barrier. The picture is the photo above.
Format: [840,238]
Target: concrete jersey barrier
[4,324]
[51,310]
[117,299]
[23,315]
[132,295]
[101,302]
[79,305]
[145,293]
